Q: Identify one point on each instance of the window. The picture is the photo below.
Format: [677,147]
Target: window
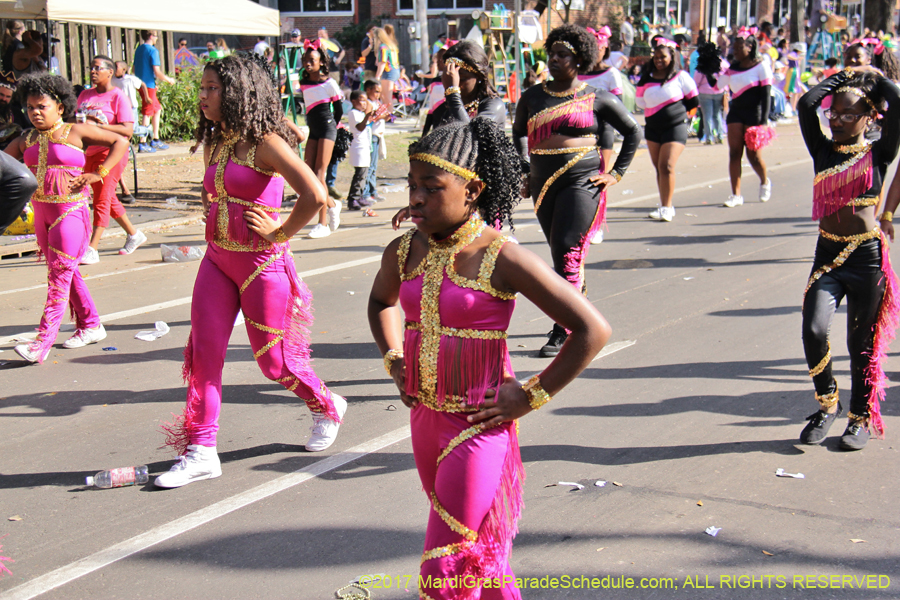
[303,7]
[438,6]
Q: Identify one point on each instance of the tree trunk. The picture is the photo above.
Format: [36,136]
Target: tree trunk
[797,20]
[880,15]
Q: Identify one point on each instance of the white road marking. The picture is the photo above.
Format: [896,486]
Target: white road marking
[107,556]
[99,276]
[141,310]
[702,184]
[614,347]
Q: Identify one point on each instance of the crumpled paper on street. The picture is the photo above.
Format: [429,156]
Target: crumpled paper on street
[148,336]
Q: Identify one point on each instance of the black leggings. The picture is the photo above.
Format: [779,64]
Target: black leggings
[862,281]
[569,210]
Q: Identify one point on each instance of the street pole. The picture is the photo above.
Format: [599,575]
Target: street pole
[422,18]
[520,76]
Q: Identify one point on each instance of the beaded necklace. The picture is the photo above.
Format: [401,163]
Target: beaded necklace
[565,94]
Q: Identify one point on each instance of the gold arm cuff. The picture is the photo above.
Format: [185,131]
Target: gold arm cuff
[887,216]
[537,397]
[280,236]
[452,90]
[102,171]
[617,175]
[389,357]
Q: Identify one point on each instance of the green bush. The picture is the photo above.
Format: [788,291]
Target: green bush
[181,105]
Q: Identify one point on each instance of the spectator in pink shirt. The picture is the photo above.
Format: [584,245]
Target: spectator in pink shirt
[106,107]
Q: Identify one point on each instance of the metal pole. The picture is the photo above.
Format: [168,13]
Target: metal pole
[520,76]
[422,18]
[728,15]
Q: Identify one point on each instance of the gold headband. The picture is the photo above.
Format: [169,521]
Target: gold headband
[461,64]
[567,45]
[445,165]
[856,92]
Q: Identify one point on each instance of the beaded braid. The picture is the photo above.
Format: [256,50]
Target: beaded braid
[483,147]
[867,83]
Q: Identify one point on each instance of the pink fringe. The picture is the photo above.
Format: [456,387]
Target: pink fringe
[298,317]
[489,555]
[759,137]
[238,231]
[3,569]
[470,367]
[885,331]
[180,431]
[578,120]
[577,256]
[412,343]
[834,192]
[211,219]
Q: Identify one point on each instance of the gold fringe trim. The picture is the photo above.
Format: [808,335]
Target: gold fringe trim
[584,152]
[822,363]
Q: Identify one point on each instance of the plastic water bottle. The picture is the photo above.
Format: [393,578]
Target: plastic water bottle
[119,477]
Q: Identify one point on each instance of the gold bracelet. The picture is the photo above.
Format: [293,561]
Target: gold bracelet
[537,397]
[453,90]
[280,236]
[887,216]
[617,175]
[389,357]
[102,172]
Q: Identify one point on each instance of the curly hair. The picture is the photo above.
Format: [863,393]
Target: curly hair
[45,84]
[473,55]
[324,62]
[585,44]
[250,102]
[709,62]
[469,145]
[674,64]
[867,83]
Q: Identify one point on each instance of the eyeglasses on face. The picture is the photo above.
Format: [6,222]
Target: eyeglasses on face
[832,115]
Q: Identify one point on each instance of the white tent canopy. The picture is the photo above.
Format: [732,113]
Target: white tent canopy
[236,17]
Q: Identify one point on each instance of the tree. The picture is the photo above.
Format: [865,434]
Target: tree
[880,15]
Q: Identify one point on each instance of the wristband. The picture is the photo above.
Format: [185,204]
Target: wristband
[453,90]
[280,236]
[617,175]
[389,357]
[887,216]
[102,171]
[537,397]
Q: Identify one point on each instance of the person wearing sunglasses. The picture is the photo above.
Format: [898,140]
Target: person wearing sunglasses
[852,258]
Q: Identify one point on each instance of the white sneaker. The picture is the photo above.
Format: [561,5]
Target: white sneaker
[90,257]
[598,237]
[132,242]
[319,231]
[334,216]
[734,201]
[663,213]
[30,352]
[324,430]
[765,191]
[197,464]
[85,336]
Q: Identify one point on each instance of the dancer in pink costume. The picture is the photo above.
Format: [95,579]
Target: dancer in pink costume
[54,151]
[249,153]
[457,280]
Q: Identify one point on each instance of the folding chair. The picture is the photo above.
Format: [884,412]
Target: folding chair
[139,132]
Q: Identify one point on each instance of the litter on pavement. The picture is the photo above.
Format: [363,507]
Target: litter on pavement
[713,530]
[148,336]
[780,473]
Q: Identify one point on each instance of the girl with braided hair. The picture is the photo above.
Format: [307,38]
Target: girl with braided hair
[55,153]
[852,258]
[248,266]
[456,280]
[557,128]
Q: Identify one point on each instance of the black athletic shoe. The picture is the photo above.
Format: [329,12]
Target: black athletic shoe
[127,199]
[855,436]
[558,337]
[819,424]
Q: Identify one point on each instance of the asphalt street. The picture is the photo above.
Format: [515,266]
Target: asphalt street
[696,401]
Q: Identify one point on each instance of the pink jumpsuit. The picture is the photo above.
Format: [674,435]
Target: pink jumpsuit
[63,229]
[455,350]
[241,270]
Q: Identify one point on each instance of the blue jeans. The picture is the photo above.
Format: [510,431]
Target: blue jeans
[331,173]
[713,118]
[370,188]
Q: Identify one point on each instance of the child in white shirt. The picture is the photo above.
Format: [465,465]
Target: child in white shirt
[379,115]
[360,148]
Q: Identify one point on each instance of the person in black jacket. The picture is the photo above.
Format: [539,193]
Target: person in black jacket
[17,184]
